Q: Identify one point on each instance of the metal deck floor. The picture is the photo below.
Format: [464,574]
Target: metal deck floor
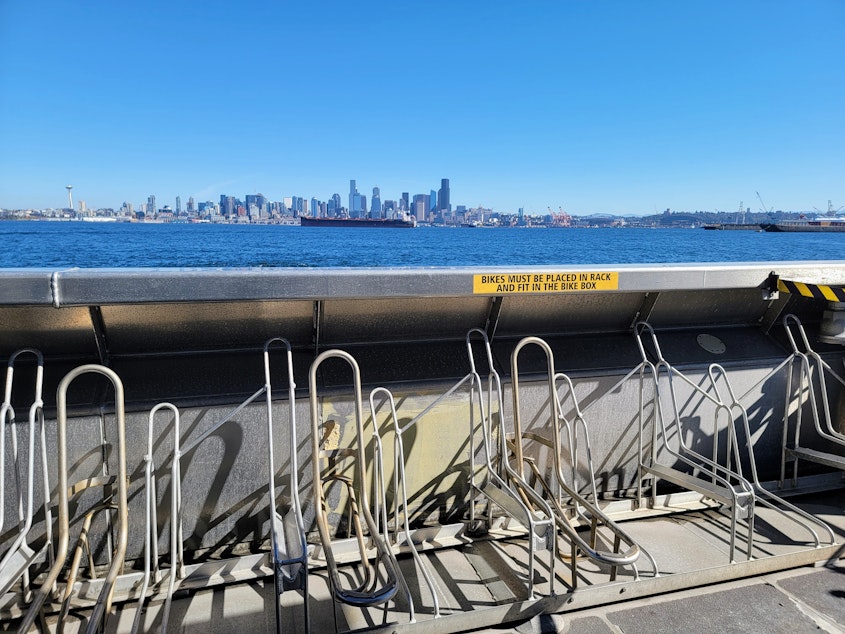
[481,588]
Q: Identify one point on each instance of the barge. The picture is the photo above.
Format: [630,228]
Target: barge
[829,225]
[421,450]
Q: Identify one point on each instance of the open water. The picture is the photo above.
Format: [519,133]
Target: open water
[116,245]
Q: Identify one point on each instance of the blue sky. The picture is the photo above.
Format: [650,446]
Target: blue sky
[595,106]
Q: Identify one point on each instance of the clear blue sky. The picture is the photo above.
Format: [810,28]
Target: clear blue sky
[596,106]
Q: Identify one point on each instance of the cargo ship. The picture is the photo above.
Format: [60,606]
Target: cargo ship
[408,222]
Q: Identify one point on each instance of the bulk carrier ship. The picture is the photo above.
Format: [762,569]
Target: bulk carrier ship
[408,222]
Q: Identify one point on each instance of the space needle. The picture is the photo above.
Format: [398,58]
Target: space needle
[69,196]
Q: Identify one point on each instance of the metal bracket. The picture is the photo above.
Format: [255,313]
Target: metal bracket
[770,287]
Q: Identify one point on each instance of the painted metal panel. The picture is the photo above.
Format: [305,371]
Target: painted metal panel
[407,319]
[196,326]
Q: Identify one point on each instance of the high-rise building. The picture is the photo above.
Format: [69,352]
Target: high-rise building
[419,208]
[404,202]
[443,195]
[432,201]
[258,202]
[191,205]
[151,205]
[335,206]
[375,204]
[178,205]
[228,205]
[353,193]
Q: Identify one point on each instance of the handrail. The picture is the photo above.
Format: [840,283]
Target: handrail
[369,593]
[103,605]
[287,569]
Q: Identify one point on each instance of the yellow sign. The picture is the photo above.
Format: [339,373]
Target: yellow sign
[508,283]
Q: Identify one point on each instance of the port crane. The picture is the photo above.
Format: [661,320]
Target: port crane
[763,209]
[740,215]
[560,219]
[830,210]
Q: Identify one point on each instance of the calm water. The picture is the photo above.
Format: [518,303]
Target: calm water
[97,245]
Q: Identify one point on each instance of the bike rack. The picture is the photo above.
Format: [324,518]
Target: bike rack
[177,559]
[287,532]
[563,497]
[811,387]
[17,560]
[523,504]
[103,604]
[400,506]
[709,478]
[734,411]
[372,591]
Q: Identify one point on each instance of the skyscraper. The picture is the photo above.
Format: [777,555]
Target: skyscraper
[178,205]
[333,206]
[404,203]
[229,205]
[353,192]
[418,207]
[443,197]
[256,205]
[375,204]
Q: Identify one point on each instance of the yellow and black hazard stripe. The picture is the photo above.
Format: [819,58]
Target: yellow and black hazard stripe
[812,291]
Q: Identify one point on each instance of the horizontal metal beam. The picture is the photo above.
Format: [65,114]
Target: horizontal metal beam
[74,287]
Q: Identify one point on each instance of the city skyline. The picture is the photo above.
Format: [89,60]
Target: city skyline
[611,107]
[357,202]
[406,202]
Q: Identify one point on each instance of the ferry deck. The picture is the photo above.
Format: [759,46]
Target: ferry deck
[620,448]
